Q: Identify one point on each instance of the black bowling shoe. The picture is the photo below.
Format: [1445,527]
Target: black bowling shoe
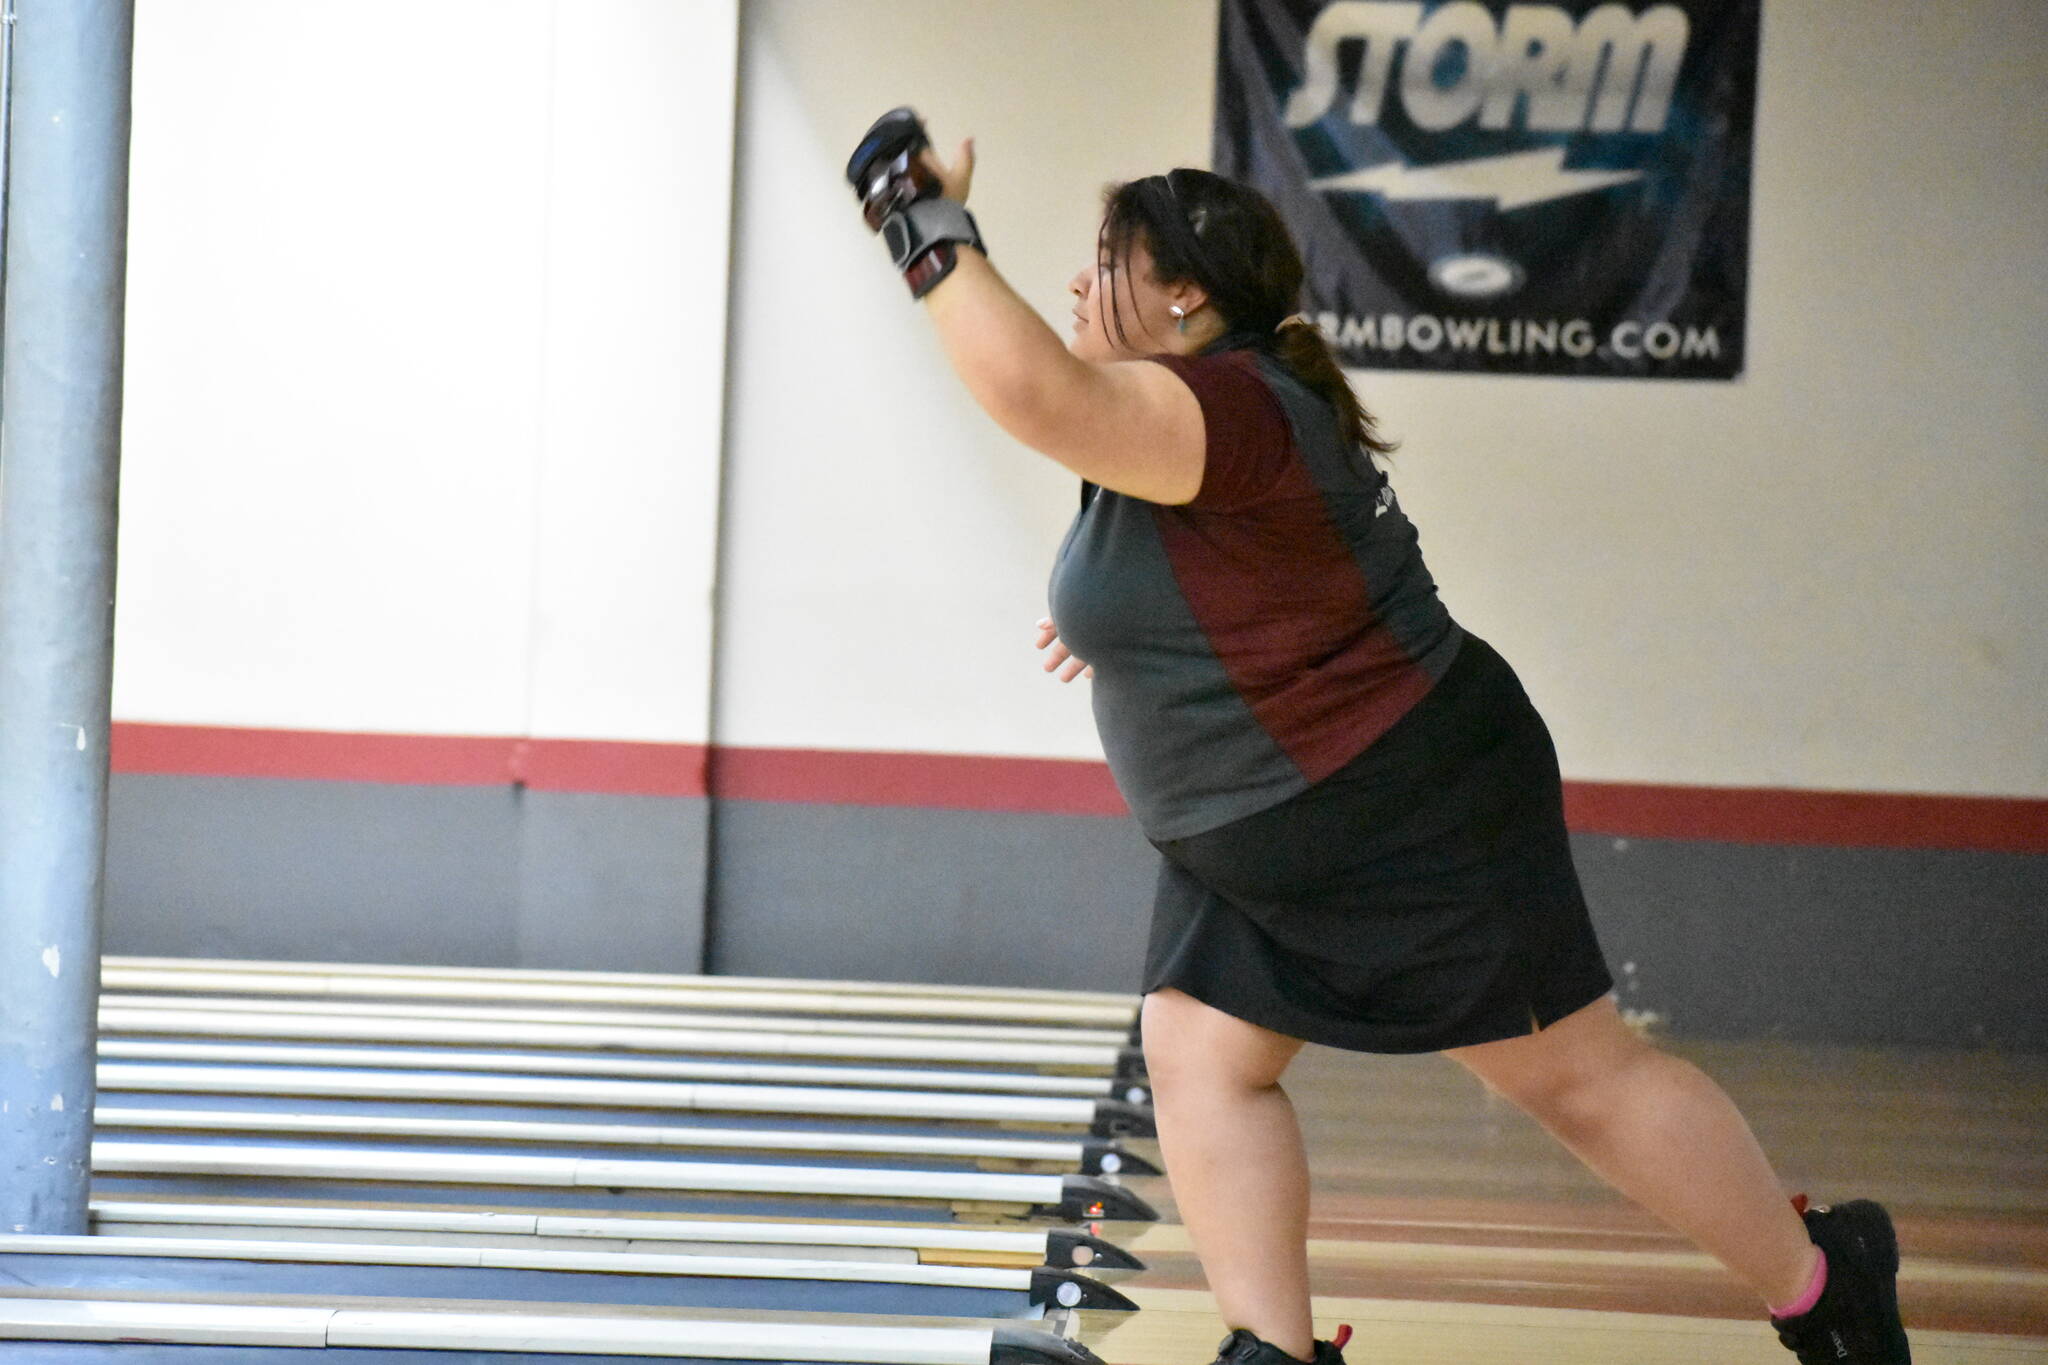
[1243,1348]
[1856,1321]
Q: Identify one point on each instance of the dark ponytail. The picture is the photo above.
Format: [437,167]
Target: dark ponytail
[1230,240]
[1302,348]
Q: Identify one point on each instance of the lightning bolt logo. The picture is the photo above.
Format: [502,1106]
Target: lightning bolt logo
[1512,181]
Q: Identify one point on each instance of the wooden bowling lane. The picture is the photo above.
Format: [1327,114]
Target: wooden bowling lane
[1179,1327]
[1449,1230]
[1610,1259]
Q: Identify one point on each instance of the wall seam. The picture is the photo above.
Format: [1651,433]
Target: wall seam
[708,916]
[517,756]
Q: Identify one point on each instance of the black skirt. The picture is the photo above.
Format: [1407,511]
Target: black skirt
[1422,897]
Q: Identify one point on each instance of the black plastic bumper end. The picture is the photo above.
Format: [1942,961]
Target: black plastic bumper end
[1116,1118]
[1087,1199]
[1070,1289]
[1107,1156]
[1070,1249]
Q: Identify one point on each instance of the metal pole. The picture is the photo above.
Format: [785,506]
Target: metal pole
[60,427]
[6,86]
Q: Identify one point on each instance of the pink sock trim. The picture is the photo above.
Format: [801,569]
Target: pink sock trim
[1805,1302]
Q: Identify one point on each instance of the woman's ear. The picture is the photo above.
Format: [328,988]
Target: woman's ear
[1188,296]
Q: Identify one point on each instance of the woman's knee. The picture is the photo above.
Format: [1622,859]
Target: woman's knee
[1558,1070]
[1191,1043]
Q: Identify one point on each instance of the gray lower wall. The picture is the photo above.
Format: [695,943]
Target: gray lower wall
[458,876]
[892,894]
[1721,940]
[1866,945]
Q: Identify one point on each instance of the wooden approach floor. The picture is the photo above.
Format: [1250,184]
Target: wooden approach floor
[1447,1229]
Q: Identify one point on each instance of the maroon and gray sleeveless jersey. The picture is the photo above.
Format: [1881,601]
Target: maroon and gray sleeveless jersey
[1257,639]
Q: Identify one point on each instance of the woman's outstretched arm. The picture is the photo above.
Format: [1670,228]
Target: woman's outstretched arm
[1133,428]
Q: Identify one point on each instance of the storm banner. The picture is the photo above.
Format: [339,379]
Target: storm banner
[1505,188]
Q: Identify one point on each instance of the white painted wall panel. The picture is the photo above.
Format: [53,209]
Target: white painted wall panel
[886,548]
[424,396]
[425,366]
[1827,574]
[333,347]
[639,217]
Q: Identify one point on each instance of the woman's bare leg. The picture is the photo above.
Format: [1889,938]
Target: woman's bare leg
[1234,1158]
[1659,1131]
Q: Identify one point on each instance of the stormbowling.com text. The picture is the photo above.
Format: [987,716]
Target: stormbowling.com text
[1576,338]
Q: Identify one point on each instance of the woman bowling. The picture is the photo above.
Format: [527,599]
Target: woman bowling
[1357,811]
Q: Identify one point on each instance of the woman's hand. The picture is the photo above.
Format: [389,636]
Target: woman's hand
[1061,657]
[956,179]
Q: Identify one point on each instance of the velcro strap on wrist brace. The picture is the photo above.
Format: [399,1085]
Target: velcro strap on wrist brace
[921,237]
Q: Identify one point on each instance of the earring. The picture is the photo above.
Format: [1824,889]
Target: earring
[1179,316]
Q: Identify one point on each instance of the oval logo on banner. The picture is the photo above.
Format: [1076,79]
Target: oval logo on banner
[1475,276]
[1504,187]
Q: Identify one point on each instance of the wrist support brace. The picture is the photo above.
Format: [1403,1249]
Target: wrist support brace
[923,238]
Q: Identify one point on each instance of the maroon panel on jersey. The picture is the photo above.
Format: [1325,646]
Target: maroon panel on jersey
[1273,584]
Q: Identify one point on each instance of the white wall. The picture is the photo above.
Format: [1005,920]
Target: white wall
[1825,575]
[1829,573]
[424,382]
[424,395]
[886,548]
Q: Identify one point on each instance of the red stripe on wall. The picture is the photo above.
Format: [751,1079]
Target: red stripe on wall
[1024,785]
[411,760]
[612,766]
[318,755]
[1047,786]
[1754,815]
